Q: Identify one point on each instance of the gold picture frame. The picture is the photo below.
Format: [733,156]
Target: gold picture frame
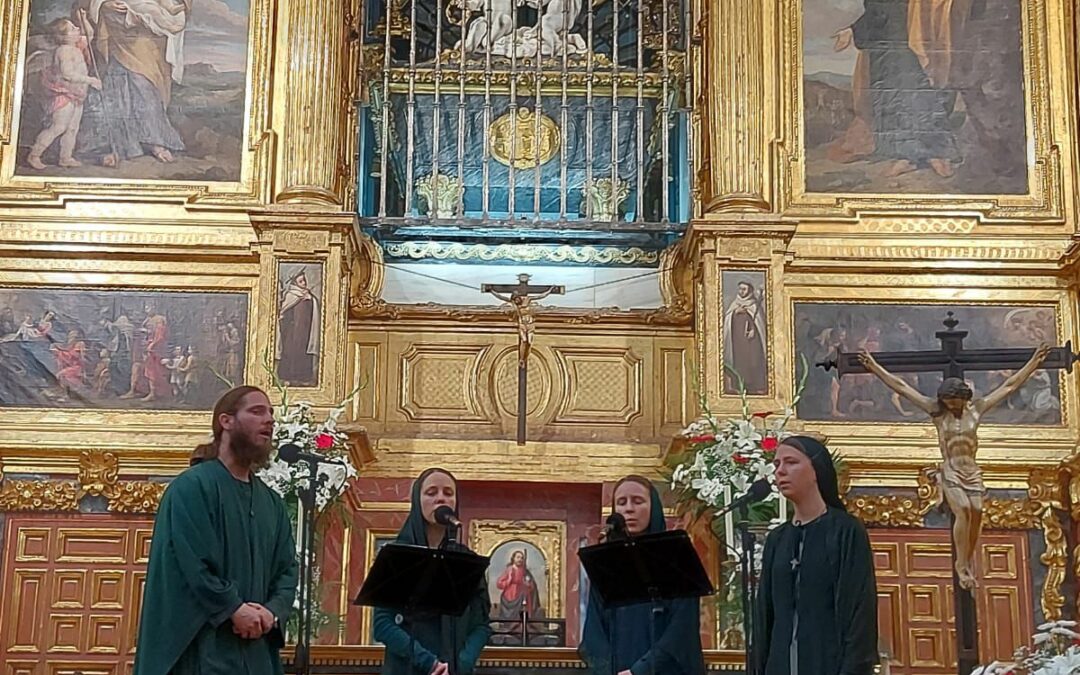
[489,537]
[153,440]
[1044,112]
[256,139]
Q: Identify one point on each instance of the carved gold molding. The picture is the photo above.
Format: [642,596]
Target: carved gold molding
[888,510]
[895,510]
[1044,490]
[1071,468]
[38,495]
[98,472]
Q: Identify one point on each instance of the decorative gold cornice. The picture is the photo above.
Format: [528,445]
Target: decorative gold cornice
[1011,514]
[450,75]
[38,495]
[137,497]
[595,255]
[889,510]
[896,510]
[98,471]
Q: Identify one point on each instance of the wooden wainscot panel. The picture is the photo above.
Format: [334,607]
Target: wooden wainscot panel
[915,605]
[72,592]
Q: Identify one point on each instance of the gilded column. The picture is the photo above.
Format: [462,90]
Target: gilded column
[315,103]
[733,108]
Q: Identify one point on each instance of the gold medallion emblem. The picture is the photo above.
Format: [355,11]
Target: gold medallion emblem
[522,141]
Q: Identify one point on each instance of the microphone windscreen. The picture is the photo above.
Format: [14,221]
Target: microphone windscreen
[616,521]
[443,515]
[759,490]
[289,453]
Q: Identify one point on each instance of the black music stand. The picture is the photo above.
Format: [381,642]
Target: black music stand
[417,581]
[647,568]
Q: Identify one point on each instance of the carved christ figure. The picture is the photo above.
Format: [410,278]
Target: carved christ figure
[956,417]
[522,304]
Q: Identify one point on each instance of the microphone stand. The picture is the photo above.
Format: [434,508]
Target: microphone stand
[747,543]
[302,664]
[451,542]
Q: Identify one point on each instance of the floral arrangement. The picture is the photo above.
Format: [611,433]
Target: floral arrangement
[1055,651]
[296,424]
[724,457]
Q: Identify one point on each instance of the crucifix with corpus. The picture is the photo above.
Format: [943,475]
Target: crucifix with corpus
[521,297]
[956,414]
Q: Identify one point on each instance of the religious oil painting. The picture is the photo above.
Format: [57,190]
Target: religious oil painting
[517,581]
[821,329]
[525,575]
[299,322]
[745,326]
[914,97]
[119,349]
[134,89]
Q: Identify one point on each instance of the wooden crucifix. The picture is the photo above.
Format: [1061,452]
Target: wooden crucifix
[521,296]
[956,416]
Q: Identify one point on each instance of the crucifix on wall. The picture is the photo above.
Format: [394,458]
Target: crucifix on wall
[956,414]
[521,297]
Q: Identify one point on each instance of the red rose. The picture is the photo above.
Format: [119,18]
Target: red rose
[739,459]
[763,415]
[769,443]
[703,438]
[324,441]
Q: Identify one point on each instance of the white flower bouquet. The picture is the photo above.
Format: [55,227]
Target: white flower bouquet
[1055,650]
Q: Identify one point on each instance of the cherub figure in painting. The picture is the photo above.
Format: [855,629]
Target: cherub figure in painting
[65,79]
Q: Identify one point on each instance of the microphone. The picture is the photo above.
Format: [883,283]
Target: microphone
[444,515]
[759,490]
[615,529]
[290,453]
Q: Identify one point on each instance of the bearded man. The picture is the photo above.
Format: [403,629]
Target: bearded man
[222,574]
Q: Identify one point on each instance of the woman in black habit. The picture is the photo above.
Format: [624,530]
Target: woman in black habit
[817,602]
[433,640]
[619,641]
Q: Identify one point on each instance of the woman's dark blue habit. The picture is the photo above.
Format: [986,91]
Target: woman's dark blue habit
[619,639]
[430,642]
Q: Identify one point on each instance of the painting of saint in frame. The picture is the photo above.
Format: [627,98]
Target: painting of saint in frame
[914,97]
[134,89]
[119,349]
[824,328]
[746,336]
[299,322]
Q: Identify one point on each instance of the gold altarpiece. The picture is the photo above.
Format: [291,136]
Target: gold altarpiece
[609,390]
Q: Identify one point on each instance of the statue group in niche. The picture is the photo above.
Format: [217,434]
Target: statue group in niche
[490,29]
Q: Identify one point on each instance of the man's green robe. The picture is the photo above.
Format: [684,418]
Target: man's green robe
[218,542]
